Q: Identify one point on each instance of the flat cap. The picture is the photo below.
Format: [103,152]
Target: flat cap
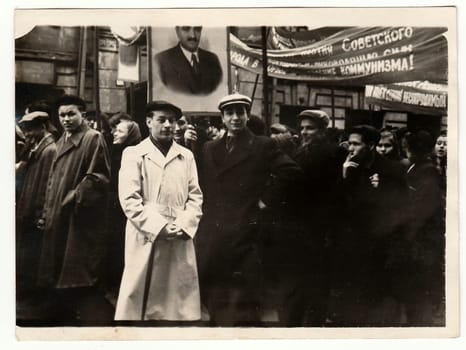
[278,128]
[34,116]
[163,105]
[232,99]
[321,118]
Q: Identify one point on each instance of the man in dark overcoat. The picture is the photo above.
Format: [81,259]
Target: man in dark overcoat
[375,199]
[34,168]
[187,68]
[242,176]
[74,217]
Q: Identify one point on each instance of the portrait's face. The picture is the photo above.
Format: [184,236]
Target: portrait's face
[161,125]
[180,127]
[120,133]
[235,117]
[441,147]
[385,146]
[70,117]
[189,37]
[357,148]
[307,128]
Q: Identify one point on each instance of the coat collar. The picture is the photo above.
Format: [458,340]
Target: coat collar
[47,140]
[73,141]
[241,151]
[147,148]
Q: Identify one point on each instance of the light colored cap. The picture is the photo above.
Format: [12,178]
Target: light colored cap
[232,99]
[317,115]
[29,117]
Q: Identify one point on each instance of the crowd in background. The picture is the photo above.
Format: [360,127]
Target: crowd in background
[354,235]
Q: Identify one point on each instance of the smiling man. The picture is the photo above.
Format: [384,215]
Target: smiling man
[242,175]
[187,68]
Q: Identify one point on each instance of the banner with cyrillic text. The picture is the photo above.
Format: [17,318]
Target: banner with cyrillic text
[356,56]
[416,97]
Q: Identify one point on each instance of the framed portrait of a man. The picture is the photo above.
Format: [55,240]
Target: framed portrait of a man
[190,66]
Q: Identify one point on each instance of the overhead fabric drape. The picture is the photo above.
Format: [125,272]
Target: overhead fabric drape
[128,51]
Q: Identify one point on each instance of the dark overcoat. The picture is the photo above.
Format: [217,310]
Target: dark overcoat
[74,212]
[34,185]
[177,73]
[233,183]
[35,175]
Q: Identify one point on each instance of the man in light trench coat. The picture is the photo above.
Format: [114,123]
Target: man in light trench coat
[161,197]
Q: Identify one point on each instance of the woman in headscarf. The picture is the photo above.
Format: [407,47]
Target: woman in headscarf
[125,133]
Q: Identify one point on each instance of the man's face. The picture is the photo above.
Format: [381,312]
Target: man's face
[235,117]
[441,147]
[189,37]
[33,133]
[70,117]
[180,127]
[385,146]
[161,125]
[356,147]
[307,128]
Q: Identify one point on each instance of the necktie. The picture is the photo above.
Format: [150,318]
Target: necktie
[195,64]
[230,143]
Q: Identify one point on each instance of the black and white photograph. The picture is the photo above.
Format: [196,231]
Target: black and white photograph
[190,66]
[236,176]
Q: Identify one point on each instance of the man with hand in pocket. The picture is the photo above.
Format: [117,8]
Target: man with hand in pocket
[160,196]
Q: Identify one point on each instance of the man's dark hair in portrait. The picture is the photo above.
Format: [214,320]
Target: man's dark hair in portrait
[187,68]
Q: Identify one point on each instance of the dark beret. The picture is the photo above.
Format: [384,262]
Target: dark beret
[66,100]
[368,133]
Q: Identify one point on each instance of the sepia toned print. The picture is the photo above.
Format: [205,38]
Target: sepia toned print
[245,180]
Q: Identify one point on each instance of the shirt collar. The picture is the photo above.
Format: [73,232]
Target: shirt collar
[188,54]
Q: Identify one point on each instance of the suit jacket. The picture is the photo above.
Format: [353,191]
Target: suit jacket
[177,74]
[232,184]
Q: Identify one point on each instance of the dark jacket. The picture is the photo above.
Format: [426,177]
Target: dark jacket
[34,185]
[177,74]
[75,208]
[232,184]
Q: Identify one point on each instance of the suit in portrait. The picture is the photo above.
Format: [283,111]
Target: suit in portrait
[177,73]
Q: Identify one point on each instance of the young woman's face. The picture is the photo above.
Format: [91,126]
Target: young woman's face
[385,146]
[120,133]
[441,147]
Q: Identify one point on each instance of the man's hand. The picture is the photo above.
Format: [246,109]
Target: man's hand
[190,135]
[172,231]
[261,205]
[347,165]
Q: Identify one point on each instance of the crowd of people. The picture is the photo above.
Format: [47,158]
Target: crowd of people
[227,226]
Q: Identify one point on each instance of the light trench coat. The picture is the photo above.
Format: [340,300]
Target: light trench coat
[155,190]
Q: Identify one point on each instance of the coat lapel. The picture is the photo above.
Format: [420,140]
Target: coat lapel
[240,152]
[152,153]
[73,141]
[173,152]
[45,142]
